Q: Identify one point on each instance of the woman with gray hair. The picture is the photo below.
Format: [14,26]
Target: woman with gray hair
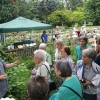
[43,67]
[88,73]
[71,88]
[43,46]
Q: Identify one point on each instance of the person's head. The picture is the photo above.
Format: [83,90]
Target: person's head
[38,88]
[57,27]
[93,31]
[44,32]
[83,41]
[63,69]
[42,46]
[98,44]
[88,55]
[83,27]
[75,26]
[39,56]
[59,44]
[65,51]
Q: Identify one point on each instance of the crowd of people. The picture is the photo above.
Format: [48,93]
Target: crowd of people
[80,82]
[77,83]
[79,33]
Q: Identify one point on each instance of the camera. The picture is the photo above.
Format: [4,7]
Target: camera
[83,81]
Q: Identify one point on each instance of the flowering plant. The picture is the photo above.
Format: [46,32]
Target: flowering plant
[7,98]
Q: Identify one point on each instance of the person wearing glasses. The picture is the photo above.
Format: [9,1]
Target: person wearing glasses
[71,88]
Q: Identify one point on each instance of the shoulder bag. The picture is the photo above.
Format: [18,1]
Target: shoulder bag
[52,84]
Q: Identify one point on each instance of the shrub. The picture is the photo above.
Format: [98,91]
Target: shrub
[17,80]
[60,17]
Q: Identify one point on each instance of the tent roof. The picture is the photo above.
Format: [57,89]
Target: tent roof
[23,24]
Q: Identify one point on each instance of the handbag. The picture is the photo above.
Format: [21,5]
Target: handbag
[52,84]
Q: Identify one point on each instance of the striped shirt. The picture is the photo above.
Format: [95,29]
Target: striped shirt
[3,83]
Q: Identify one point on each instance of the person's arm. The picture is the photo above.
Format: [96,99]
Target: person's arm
[43,39]
[87,83]
[34,70]
[16,63]
[95,81]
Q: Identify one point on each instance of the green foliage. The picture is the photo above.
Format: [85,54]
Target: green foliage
[66,17]
[8,11]
[53,76]
[60,5]
[46,7]
[78,16]
[17,80]
[51,49]
[29,9]
[5,56]
[61,17]
[29,62]
[92,11]
[23,8]
[73,4]
[73,54]
[6,44]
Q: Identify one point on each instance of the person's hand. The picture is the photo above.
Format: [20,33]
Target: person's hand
[3,77]
[33,71]
[16,63]
[86,83]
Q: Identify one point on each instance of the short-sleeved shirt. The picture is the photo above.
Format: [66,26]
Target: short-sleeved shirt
[3,83]
[44,38]
[43,71]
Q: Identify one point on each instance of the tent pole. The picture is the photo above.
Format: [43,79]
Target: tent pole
[3,38]
[51,35]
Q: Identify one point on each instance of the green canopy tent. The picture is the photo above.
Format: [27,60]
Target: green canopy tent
[22,24]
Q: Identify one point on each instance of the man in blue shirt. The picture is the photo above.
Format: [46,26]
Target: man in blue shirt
[44,37]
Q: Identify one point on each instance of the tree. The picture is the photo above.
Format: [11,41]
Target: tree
[73,4]
[8,10]
[45,7]
[33,10]
[62,17]
[78,16]
[60,5]
[28,9]
[92,11]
